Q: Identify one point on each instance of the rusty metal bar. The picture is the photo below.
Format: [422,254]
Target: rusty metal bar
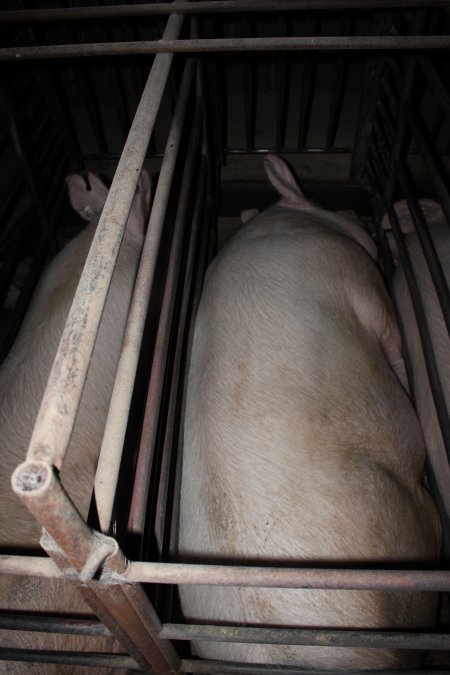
[164,46]
[208,7]
[47,624]
[272,577]
[91,659]
[312,637]
[40,490]
[138,508]
[61,399]
[111,451]
[208,667]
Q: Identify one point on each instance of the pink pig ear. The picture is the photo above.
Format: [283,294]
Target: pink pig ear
[248,214]
[88,203]
[284,182]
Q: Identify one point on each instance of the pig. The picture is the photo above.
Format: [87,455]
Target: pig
[440,234]
[301,446]
[22,381]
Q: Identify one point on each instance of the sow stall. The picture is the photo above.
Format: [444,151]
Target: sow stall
[357,97]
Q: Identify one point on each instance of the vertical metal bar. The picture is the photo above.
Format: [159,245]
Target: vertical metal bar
[6,103]
[309,71]
[249,91]
[427,344]
[282,80]
[138,508]
[437,173]
[342,67]
[62,396]
[111,451]
[186,189]
[434,265]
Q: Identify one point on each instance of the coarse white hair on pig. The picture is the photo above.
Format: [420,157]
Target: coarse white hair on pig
[301,445]
[23,377]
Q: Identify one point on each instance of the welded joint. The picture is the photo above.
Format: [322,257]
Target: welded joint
[103,548]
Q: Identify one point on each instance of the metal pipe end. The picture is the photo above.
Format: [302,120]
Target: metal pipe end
[31,477]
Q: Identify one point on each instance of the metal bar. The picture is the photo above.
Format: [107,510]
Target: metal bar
[207,667]
[429,251]
[164,514]
[61,399]
[24,160]
[111,451]
[138,509]
[211,6]
[312,637]
[323,43]
[127,611]
[431,160]
[69,658]
[30,566]
[47,624]
[40,490]
[272,577]
[436,83]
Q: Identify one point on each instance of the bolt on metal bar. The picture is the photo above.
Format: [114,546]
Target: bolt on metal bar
[69,658]
[301,636]
[165,45]
[47,624]
[211,6]
[273,577]
[62,396]
[115,429]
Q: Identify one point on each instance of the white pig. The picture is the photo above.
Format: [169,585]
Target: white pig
[301,446]
[22,381]
[440,234]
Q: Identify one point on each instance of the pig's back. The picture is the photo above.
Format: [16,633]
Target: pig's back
[287,436]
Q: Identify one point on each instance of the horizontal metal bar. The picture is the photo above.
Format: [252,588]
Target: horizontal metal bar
[30,566]
[328,43]
[228,668]
[70,658]
[209,7]
[282,577]
[312,637]
[49,624]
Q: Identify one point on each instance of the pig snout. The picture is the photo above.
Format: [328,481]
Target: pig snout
[301,446]
[23,378]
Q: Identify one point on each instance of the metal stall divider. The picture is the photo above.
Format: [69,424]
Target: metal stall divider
[67,538]
[111,584]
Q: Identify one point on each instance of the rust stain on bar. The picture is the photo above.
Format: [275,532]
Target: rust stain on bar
[302,636]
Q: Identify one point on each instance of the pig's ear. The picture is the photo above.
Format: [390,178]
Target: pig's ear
[144,186]
[137,220]
[87,202]
[248,214]
[284,182]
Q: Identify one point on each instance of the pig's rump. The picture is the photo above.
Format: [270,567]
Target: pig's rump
[300,445]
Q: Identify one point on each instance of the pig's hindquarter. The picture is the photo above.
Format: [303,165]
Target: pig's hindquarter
[291,439]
